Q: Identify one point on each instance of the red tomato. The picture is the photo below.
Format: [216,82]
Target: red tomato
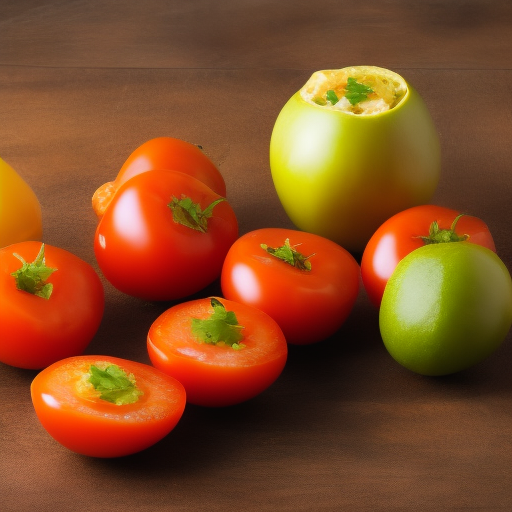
[401,234]
[82,418]
[217,375]
[35,331]
[309,305]
[162,153]
[142,249]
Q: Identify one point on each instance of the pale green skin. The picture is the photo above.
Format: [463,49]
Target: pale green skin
[341,176]
[446,307]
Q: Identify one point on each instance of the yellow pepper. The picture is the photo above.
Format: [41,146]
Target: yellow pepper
[20,211]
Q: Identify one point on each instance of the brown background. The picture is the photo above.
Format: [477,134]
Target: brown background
[83,83]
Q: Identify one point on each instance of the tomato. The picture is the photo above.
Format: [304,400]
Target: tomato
[309,304]
[56,312]
[221,351]
[144,247]
[20,211]
[341,174]
[446,307]
[103,406]
[405,232]
[162,153]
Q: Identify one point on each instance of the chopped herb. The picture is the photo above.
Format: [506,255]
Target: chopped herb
[31,277]
[356,92]
[221,327]
[320,101]
[331,97]
[114,385]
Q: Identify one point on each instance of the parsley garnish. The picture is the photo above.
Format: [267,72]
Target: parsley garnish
[356,92]
[331,97]
[114,385]
[221,327]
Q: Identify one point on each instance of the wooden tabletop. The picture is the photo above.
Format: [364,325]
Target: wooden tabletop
[83,83]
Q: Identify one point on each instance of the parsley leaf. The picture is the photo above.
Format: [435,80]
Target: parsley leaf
[356,92]
[114,385]
[221,327]
[331,96]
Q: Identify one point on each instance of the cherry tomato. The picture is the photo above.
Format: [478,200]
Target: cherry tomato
[56,310]
[446,307]
[340,173]
[223,352]
[309,293]
[162,153]
[103,406]
[149,245]
[409,230]
[20,211]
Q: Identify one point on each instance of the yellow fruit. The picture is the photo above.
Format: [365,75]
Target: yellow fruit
[20,211]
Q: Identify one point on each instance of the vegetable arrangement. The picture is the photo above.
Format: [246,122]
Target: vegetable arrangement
[166,231]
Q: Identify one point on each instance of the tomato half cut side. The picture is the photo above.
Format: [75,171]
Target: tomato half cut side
[217,374]
[79,406]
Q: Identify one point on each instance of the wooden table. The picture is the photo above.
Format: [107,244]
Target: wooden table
[83,83]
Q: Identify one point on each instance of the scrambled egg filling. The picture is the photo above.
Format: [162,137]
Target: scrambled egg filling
[359,90]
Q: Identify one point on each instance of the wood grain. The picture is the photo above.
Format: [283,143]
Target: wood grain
[83,83]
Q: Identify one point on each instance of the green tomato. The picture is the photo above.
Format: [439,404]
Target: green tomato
[341,169]
[446,307]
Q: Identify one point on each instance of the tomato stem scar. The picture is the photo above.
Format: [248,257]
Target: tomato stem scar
[189,214]
[31,277]
[290,255]
[439,236]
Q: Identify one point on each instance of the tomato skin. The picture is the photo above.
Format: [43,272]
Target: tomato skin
[398,236]
[35,332]
[162,153]
[215,376]
[446,308]
[309,306]
[20,211]
[340,176]
[100,429]
[144,253]
[168,153]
